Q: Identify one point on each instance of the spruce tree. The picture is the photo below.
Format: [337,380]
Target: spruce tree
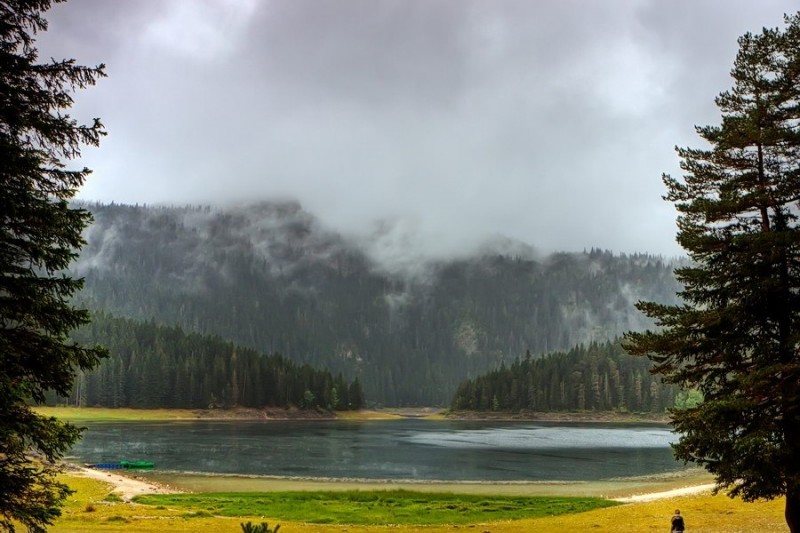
[736,337]
[39,236]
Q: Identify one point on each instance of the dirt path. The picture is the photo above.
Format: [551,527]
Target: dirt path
[683,491]
[126,487]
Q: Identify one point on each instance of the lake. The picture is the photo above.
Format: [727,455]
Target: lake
[405,449]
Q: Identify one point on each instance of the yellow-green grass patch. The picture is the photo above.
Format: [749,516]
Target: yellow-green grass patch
[376,507]
[122,414]
[366,414]
[128,414]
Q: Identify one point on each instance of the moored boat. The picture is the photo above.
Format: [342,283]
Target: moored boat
[137,465]
[125,465]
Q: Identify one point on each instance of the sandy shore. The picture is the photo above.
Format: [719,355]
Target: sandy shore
[666,494]
[129,485]
[125,486]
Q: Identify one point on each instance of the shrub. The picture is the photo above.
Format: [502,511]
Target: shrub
[249,527]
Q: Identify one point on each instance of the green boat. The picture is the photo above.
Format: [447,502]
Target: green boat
[137,465]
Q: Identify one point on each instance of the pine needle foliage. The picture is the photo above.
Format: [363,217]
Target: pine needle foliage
[736,337]
[39,236]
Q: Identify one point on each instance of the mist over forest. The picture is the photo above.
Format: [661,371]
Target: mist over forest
[272,278]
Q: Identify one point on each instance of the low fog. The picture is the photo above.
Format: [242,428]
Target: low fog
[427,126]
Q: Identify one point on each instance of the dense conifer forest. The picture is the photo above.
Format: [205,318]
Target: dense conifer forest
[271,278]
[597,377]
[152,366]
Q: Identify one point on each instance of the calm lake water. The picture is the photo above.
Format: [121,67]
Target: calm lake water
[397,449]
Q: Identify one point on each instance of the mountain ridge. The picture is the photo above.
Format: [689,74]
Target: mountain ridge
[271,277]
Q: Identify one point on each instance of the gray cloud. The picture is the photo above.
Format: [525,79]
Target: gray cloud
[549,122]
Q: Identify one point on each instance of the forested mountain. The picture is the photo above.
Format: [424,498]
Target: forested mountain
[597,377]
[271,278]
[155,366]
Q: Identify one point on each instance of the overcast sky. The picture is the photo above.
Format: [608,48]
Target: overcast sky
[547,121]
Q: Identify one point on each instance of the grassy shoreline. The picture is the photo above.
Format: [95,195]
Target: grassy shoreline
[92,509]
[614,488]
[127,414]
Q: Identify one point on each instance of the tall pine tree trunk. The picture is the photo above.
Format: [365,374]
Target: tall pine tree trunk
[793,509]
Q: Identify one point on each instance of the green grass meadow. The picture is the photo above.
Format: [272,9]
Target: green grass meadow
[375,507]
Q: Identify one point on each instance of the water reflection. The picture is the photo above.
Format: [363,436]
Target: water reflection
[535,437]
[402,449]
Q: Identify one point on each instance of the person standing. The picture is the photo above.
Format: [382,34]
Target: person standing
[678,525]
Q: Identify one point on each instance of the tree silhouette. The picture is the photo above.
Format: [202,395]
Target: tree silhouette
[737,337]
[39,236]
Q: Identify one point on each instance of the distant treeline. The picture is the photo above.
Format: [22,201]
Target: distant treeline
[269,277]
[152,366]
[597,377]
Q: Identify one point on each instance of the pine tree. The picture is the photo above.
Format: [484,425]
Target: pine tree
[737,337]
[39,236]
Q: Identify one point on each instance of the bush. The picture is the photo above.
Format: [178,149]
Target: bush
[249,527]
